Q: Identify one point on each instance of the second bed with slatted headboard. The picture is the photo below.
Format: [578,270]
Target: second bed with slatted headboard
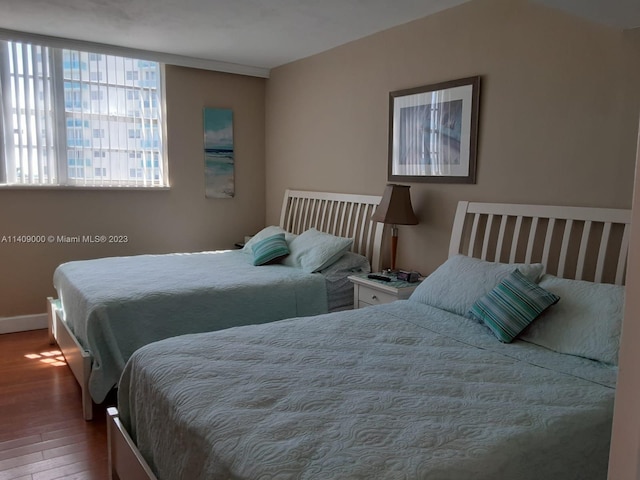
[408,389]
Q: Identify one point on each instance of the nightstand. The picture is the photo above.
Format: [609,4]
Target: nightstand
[367,291]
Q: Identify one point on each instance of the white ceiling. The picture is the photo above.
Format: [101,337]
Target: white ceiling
[256,33]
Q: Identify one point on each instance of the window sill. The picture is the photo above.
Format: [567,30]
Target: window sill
[83,187]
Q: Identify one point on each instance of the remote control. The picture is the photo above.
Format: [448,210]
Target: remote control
[379,277]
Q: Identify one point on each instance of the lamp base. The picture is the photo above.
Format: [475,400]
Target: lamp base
[394,246]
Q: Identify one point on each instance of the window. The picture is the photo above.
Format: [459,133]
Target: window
[97,95]
[60,108]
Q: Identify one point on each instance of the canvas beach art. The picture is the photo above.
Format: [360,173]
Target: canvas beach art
[219,161]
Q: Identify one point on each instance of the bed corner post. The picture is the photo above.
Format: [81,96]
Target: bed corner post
[50,321]
[112,415]
[125,461]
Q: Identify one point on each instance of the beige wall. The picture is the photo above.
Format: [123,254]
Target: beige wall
[180,219]
[558,114]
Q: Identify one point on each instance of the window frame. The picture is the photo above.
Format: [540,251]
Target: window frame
[58,128]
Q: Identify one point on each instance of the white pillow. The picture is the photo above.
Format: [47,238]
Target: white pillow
[456,284]
[586,321]
[314,250]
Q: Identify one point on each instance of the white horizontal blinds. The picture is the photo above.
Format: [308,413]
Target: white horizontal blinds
[29,155]
[116,118]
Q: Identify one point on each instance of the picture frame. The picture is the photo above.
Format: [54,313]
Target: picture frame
[219,153]
[433,132]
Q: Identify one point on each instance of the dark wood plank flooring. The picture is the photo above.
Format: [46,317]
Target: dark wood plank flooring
[42,433]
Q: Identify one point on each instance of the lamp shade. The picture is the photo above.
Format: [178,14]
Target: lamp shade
[395,206]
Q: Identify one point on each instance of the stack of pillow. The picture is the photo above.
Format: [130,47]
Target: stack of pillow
[571,316]
[310,251]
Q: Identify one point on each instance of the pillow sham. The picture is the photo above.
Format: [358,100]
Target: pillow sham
[270,249]
[512,305]
[456,284]
[586,323]
[313,250]
[264,233]
[261,235]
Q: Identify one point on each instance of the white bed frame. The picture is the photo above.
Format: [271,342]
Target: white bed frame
[572,242]
[341,214]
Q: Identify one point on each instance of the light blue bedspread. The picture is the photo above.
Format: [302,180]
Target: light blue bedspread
[397,391]
[116,305]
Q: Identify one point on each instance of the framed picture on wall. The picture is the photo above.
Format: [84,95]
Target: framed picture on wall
[219,153]
[433,132]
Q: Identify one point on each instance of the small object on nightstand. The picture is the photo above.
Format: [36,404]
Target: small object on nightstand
[379,277]
[410,277]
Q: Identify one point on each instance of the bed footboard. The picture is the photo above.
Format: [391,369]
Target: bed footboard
[125,461]
[78,359]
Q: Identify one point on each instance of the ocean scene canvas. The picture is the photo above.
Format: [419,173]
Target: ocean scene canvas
[219,162]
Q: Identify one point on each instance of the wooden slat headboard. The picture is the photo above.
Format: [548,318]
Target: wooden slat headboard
[572,242]
[340,214]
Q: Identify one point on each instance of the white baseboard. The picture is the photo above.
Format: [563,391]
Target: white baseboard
[23,323]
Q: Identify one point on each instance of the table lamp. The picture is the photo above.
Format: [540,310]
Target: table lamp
[395,209]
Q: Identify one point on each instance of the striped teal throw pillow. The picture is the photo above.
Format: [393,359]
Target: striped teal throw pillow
[270,249]
[512,305]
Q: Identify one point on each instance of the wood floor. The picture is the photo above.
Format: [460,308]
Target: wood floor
[42,433]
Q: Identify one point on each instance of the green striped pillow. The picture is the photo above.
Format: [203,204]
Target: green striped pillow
[270,249]
[512,305]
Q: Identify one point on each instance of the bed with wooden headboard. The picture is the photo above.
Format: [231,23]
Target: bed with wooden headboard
[96,349]
[410,389]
